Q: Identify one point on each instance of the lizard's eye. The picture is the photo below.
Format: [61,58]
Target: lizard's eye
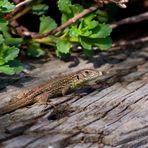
[86,72]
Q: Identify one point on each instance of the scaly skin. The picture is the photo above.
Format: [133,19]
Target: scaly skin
[50,89]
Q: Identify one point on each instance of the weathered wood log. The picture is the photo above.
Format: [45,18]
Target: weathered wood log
[113,113]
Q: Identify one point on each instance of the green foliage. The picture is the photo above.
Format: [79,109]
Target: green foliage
[9,46]
[63,47]
[39,9]
[34,50]
[6,6]
[7,57]
[47,24]
[8,54]
[68,10]
[87,32]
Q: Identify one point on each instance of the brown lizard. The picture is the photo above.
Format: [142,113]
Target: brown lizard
[51,88]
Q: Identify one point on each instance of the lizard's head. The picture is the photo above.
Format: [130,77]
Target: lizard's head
[85,75]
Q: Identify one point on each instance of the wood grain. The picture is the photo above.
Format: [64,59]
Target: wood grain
[113,113]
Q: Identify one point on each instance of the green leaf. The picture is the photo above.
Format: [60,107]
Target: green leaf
[101,31]
[39,9]
[3,25]
[7,69]
[92,24]
[1,39]
[102,16]
[16,65]
[34,50]
[85,33]
[68,10]
[2,62]
[89,18]
[63,46]
[64,6]
[73,31]
[64,18]
[104,43]
[6,6]
[46,24]
[8,53]
[85,42]
[88,52]
[11,41]
[76,8]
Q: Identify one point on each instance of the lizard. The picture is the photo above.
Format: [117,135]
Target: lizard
[56,86]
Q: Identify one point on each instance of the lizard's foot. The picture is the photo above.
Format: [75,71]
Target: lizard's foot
[42,99]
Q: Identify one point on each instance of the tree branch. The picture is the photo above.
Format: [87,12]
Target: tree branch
[129,20]
[69,22]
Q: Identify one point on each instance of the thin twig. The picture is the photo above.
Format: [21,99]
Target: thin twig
[99,3]
[74,19]
[127,43]
[120,3]
[69,22]
[23,3]
[129,20]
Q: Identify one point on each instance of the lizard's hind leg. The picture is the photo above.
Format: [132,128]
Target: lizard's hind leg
[42,99]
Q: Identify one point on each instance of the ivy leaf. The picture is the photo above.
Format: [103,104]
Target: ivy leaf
[47,24]
[7,69]
[101,31]
[63,46]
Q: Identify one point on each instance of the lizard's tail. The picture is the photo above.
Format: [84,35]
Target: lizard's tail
[22,99]
[13,106]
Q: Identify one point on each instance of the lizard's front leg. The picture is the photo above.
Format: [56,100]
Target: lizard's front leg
[65,90]
[43,99]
